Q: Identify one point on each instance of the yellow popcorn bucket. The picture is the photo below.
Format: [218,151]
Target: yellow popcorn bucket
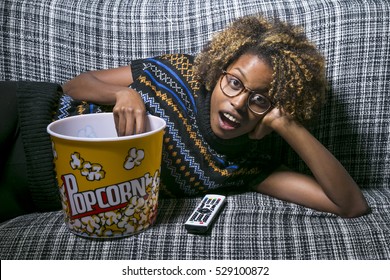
[109,185]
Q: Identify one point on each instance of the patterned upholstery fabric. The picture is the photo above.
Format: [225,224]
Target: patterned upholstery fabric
[52,41]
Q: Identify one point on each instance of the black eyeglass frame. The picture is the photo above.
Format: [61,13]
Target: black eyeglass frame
[250,91]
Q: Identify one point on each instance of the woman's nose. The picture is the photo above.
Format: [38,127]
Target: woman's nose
[239,101]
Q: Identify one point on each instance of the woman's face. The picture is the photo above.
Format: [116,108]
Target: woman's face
[229,116]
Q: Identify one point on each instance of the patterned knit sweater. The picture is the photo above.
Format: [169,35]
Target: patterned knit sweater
[195,161]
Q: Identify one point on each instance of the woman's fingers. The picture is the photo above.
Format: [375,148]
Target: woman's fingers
[129,121]
[129,113]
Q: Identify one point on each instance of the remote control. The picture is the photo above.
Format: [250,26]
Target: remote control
[205,213]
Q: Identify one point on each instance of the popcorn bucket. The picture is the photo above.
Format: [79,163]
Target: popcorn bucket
[109,185]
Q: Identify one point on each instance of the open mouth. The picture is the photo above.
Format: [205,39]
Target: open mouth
[229,121]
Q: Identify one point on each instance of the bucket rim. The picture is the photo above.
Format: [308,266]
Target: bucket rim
[49,130]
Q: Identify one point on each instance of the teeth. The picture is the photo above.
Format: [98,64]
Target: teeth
[230,117]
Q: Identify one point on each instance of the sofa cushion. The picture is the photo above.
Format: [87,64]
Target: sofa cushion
[251,226]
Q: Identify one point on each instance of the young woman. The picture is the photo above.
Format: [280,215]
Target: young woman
[254,77]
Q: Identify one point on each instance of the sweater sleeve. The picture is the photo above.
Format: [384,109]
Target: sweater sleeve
[137,67]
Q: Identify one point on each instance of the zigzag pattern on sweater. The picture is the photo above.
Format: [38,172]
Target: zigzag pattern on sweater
[191,165]
[64,105]
[172,136]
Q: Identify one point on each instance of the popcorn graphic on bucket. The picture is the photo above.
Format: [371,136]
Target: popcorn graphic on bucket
[109,185]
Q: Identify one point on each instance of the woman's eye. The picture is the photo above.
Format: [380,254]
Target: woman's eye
[259,100]
[234,83]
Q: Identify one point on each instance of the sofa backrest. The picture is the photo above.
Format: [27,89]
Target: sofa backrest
[56,40]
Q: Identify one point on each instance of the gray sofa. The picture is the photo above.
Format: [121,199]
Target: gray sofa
[52,41]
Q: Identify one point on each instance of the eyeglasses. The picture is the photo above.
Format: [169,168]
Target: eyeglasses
[232,86]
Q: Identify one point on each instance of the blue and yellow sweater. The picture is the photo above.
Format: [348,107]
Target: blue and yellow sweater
[195,161]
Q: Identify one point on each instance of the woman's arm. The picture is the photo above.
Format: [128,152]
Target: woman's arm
[332,189]
[99,86]
[109,87]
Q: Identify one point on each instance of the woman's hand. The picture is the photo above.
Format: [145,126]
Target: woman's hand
[129,113]
[108,87]
[265,125]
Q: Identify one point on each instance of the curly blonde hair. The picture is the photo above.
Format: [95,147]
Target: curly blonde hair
[298,82]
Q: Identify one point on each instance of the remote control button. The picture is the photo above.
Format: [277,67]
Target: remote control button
[205,210]
[198,216]
[193,217]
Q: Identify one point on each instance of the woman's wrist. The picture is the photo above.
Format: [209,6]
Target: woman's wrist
[123,92]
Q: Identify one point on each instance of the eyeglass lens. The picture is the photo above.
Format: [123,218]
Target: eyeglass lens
[232,86]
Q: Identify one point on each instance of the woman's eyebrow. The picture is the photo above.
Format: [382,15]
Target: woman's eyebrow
[260,89]
[241,72]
